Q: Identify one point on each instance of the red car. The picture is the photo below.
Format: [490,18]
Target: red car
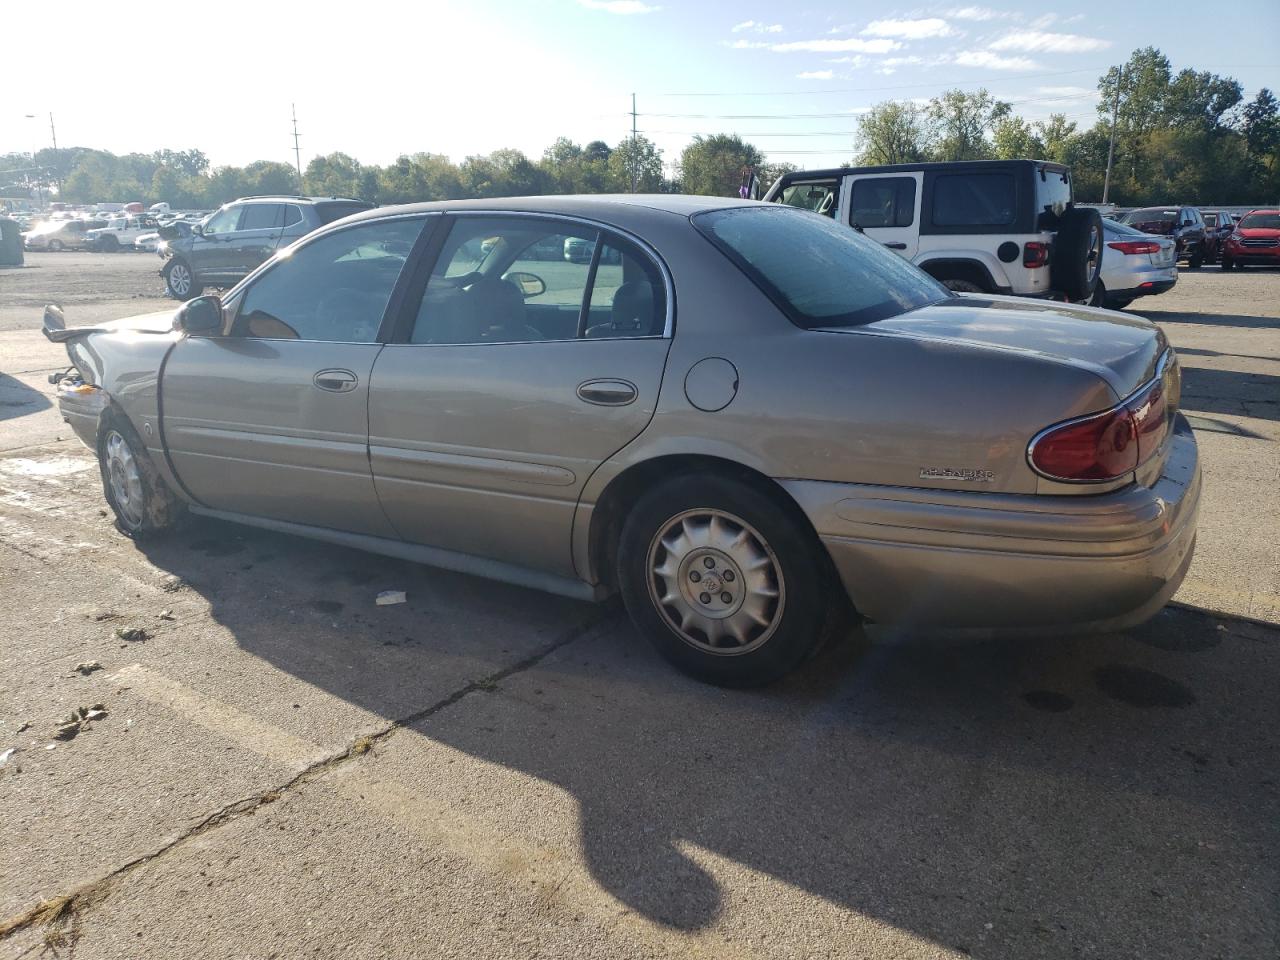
[1256,240]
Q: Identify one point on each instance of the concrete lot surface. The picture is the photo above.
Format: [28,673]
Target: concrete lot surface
[285,769]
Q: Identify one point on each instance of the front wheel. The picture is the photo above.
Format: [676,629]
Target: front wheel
[180,282]
[55,246]
[1227,263]
[142,502]
[109,244]
[1196,260]
[726,584]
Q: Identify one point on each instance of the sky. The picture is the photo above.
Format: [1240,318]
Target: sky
[379,79]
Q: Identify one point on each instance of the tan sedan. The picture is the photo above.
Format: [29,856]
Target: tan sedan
[745,418]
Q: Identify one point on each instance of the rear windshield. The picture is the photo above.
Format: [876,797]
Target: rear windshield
[816,195]
[1260,221]
[337,209]
[1150,215]
[1123,229]
[819,273]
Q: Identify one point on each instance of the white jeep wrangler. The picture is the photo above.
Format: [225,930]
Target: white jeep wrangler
[983,226]
[120,233]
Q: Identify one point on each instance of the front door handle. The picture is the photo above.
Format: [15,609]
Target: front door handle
[607,393]
[895,245]
[336,381]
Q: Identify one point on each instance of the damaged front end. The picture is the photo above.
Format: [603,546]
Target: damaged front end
[80,401]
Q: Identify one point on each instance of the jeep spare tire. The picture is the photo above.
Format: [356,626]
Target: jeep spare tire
[1077,253]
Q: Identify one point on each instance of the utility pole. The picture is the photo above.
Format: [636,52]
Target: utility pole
[1111,151]
[297,152]
[57,173]
[634,158]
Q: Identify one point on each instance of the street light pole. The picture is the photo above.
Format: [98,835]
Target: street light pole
[53,134]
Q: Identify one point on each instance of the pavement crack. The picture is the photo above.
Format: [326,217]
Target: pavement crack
[68,908]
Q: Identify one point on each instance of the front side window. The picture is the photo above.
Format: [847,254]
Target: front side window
[818,196]
[819,273]
[334,288]
[514,280]
[883,202]
[224,221]
[262,216]
[974,200]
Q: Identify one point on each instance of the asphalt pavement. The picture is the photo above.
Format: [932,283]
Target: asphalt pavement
[283,768]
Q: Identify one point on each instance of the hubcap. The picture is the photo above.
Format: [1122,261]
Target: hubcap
[179,278]
[716,582]
[126,482]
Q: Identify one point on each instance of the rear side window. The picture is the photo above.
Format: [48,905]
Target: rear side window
[292,214]
[819,273]
[883,202]
[974,199]
[332,210]
[818,196]
[262,216]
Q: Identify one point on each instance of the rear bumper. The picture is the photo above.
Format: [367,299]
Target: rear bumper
[1147,287]
[1056,564]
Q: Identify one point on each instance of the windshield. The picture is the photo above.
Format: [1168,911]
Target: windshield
[819,273]
[1260,221]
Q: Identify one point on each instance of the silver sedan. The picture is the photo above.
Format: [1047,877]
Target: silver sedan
[1134,264]
[749,421]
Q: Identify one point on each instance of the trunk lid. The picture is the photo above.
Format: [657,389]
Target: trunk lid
[1123,351]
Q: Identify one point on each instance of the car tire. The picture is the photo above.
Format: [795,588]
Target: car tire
[180,281]
[1226,263]
[1099,298]
[1196,260]
[1118,303]
[55,246]
[1077,253]
[142,502]
[110,244]
[962,286]
[771,596]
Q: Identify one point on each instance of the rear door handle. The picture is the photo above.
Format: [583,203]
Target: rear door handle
[895,245]
[607,393]
[336,381]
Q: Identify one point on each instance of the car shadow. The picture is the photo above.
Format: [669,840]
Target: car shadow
[1209,319]
[1110,795]
[17,399]
[1206,390]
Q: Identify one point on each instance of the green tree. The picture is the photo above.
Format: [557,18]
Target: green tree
[961,121]
[638,157]
[1014,138]
[893,132]
[1056,134]
[713,165]
[334,175]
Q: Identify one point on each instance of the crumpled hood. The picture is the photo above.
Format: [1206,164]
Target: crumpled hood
[1121,349]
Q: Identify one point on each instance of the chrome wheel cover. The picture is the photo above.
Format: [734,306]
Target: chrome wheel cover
[179,279]
[125,481]
[716,582]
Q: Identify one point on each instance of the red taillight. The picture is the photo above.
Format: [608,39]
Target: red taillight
[1135,246]
[1106,445]
[1035,254]
[1101,447]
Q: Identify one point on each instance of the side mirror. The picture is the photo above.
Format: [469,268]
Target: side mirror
[201,317]
[530,284]
[198,229]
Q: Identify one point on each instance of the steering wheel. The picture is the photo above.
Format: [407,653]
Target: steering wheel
[347,315]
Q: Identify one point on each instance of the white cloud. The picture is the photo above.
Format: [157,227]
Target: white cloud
[974,13]
[1037,41]
[741,44]
[993,61]
[848,45]
[855,61]
[622,7]
[756,27]
[815,75]
[909,29]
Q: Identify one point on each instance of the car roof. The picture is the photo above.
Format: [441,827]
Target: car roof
[605,206]
[285,196]
[949,165]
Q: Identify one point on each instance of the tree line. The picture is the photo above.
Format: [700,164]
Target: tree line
[1187,138]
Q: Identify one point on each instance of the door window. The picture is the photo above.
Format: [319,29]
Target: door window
[292,214]
[973,199]
[510,280]
[224,221]
[262,216]
[884,202]
[818,196]
[334,288]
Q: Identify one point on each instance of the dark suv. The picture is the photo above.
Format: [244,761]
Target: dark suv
[241,235]
[1185,225]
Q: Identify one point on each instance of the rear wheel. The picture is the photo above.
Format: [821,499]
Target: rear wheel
[726,584]
[109,244]
[1196,260]
[1099,298]
[142,502]
[55,246]
[180,281]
